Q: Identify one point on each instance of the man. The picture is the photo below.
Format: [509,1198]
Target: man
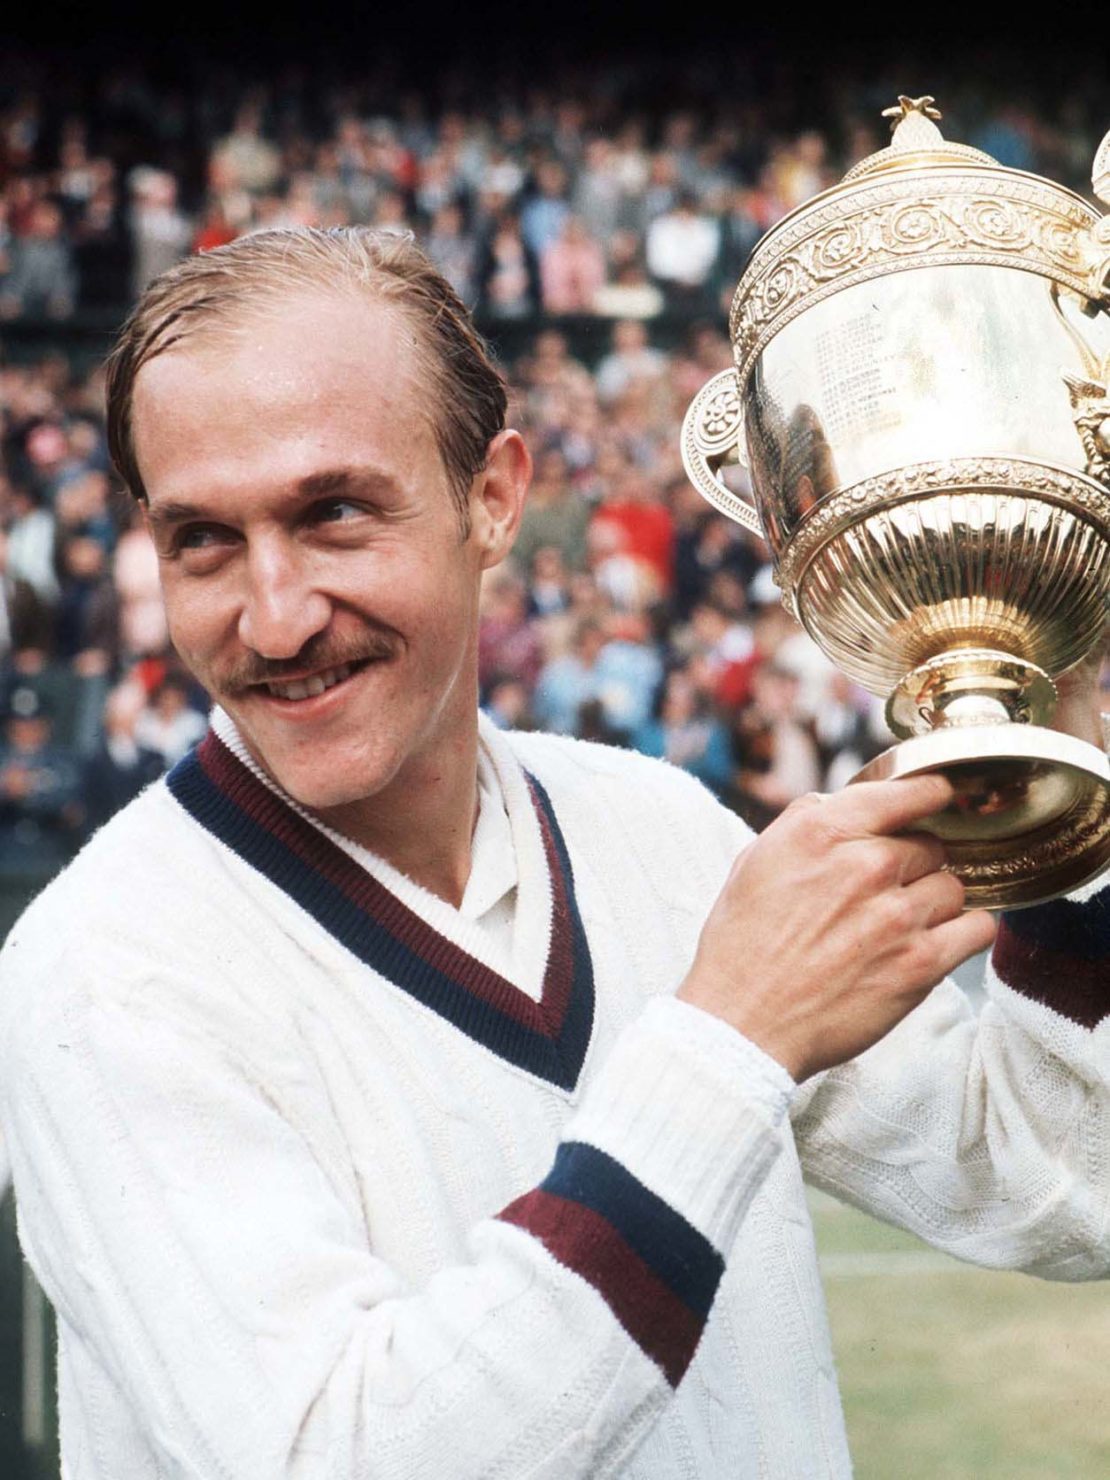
[377,1102]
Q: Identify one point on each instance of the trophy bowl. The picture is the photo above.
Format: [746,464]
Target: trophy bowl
[922,399]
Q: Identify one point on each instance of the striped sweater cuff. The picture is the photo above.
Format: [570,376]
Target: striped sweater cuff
[673,1139]
[1059,954]
[656,1272]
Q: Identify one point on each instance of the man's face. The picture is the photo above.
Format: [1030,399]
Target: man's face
[315,574]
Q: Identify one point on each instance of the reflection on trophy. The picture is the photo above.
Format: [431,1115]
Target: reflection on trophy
[922,386]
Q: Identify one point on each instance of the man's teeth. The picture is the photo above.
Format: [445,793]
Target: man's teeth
[308,688]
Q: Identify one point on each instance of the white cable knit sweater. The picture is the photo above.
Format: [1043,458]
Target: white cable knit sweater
[316,1193]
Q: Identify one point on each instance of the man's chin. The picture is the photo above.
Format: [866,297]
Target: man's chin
[321,784]
[317,779]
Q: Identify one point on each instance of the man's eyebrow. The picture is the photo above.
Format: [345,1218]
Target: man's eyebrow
[330,482]
[175,511]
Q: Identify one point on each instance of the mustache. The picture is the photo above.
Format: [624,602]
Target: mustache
[317,654]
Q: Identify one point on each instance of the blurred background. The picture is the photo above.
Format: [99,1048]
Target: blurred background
[593,193]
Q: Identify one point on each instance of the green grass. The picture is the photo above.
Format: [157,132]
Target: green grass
[955,1373]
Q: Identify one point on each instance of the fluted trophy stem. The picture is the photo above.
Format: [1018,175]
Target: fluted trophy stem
[921,399]
[972,686]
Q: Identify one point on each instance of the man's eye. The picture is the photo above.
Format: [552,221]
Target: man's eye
[336,510]
[198,537]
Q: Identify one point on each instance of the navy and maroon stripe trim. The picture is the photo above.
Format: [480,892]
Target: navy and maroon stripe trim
[548,1038]
[1059,954]
[655,1271]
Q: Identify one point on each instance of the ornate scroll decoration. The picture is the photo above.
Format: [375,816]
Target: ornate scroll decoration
[1011,475]
[1090,397]
[1076,836]
[940,217]
[712,435]
[1100,236]
[1090,401]
[1100,172]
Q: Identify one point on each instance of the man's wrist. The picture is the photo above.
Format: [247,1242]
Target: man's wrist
[771,1081]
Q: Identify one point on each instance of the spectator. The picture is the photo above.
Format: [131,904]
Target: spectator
[548,587]
[682,247]
[507,641]
[631,360]
[554,515]
[727,646]
[101,244]
[628,293]
[40,807]
[42,281]
[508,276]
[245,159]
[687,734]
[119,767]
[544,214]
[707,543]
[452,249]
[143,629]
[621,673]
[507,704]
[572,269]
[777,755]
[31,544]
[632,542]
[160,233]
[169,726]
[599,193]
[22,614]
[86,615]
[740,230]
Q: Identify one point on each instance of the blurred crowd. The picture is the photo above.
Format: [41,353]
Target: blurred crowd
[599,191]
[632,612]
[94,704]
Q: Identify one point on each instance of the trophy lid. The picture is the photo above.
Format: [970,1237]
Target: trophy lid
[920,202]
[917,143]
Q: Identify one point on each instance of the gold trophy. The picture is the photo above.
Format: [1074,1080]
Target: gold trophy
[922,387]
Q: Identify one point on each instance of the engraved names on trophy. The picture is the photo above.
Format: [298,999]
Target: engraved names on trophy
[857,369]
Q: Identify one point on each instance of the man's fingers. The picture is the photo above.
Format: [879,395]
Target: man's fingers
[883,807]
[964,937]
[935,898]
[917,855]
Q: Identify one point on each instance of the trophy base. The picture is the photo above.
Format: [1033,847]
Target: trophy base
[1031,815]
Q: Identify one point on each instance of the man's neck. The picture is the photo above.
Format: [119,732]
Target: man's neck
[423,822]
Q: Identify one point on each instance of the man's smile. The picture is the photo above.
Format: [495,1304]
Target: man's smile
[308,695]
[312,684]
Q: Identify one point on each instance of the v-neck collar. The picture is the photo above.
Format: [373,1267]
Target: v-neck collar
[548,1038]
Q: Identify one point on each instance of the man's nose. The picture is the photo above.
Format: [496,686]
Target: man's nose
[282,608]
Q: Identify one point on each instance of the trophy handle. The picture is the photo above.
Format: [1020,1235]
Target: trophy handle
[1089,394]
[712,430]
[1100,236]
[1100,172]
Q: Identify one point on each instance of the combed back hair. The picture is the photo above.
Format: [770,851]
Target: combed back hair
[466,397]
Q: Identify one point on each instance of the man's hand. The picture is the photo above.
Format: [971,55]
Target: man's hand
[834,924]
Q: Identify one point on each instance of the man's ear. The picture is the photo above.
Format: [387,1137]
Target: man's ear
[497,497]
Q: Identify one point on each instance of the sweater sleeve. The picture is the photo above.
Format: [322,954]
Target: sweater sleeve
[988,1136]
[197,1246]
